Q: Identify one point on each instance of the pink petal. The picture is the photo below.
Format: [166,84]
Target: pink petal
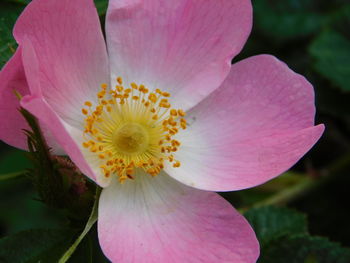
[184,47]
[72,61]
[160,220]
[69,137]
[12,78]
[254,127]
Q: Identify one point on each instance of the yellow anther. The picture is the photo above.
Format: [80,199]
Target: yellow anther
[173,112]
[166,94]
[104,86]
[120,80]
[101,94]
[84,111]
[86,145]
[93,149]
[152,97]
[88,103]
[175,143]
[133,85]
[143,89]
[183,124]
[177,164]
[135,97]
[164,105]
[181,113]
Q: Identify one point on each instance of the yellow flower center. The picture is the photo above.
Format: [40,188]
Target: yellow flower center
[132,138]
[132,128]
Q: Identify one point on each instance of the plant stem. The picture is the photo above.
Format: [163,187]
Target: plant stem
[9,176]
[91,221]
[304,186]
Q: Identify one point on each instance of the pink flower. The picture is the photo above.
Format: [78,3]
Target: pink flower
[244,124]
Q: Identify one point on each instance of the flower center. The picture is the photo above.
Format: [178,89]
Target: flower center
[131,138]
[132,128]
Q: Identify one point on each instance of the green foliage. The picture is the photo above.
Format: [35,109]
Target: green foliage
[284,238]
[271,223]
[31,246]
[332,53]
[8,16]
[287,19]
[304,248]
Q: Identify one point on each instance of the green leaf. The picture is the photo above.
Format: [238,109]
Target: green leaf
[39,245]
[304,248]
[271,223]
[8,16]
[288,19]
[284,238]
[332,55]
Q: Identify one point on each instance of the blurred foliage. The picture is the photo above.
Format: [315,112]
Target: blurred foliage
[36,245]
[288,19]
[284,238]
[8,14]
[313,38]
[331,51]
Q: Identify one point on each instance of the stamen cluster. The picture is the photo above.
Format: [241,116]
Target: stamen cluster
[132,128]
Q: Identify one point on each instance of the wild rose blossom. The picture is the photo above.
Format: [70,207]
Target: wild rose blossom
[160,119]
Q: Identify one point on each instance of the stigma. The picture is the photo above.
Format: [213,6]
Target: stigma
[132,128]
